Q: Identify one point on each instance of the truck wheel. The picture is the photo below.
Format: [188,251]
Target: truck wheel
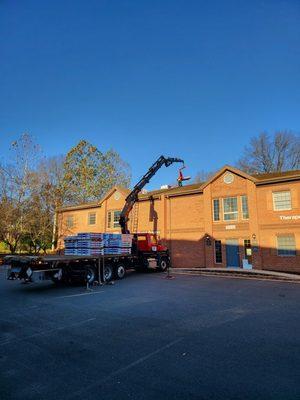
[163,264]
[108,273]
[90,275]
[120,271]
[56,281]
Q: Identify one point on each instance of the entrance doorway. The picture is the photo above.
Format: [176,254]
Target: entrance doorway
[248,250]
[232,253]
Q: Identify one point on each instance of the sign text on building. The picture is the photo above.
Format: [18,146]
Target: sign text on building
[289,217]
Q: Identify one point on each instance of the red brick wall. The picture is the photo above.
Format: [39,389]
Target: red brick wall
[183,222]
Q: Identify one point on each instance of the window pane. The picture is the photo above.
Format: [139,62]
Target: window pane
[70,221]
[230,208]
[92,219]
[282,200]
[286,245]
[230,204]
[245,207]
[142,238]
[218,251]
[216,210]
[116,218]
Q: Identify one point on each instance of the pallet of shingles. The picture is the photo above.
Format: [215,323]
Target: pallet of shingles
[87,243]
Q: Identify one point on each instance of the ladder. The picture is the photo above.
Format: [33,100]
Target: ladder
[135,217]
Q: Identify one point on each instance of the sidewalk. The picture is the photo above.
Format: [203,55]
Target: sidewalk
[239,273]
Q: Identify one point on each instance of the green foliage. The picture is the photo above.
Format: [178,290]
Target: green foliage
[89,173]
[32,187]
[3,248]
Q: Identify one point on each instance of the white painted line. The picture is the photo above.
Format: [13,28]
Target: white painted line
[76,295]
[13,340]
[126,367]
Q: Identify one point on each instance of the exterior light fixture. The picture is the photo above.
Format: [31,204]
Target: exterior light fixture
[207,240]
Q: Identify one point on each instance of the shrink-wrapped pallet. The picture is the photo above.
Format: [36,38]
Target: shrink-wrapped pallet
[91,243]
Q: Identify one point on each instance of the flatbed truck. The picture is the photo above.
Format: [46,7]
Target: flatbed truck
[147,251]
[87,269]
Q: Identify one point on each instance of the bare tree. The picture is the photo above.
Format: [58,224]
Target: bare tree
[16,180]
[265,153]
[203,176]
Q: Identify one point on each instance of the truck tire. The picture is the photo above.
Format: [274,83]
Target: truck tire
[90,274]
[120,271]
[108,273]
[163,264]
[56,281]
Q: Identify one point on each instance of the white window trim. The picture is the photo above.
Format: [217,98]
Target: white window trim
[282,209]
[89,218]
[112,219]
[220,211]
[233,212]
[242,213]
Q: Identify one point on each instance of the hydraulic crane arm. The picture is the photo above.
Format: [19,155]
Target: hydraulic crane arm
[133,195]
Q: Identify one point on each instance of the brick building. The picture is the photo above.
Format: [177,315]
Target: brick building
[231,218]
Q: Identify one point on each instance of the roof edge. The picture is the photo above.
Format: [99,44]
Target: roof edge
[78,207]
[277,180]
[96,204]
[231,169]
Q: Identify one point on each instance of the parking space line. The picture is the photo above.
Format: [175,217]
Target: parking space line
[13,340]
[77,295]
[126,367]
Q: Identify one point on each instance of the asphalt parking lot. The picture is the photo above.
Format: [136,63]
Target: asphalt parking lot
[147,337]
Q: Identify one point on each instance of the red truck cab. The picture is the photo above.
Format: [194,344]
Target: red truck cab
[149,242]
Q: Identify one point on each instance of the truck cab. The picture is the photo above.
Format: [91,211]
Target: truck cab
[148,243]
[150,252]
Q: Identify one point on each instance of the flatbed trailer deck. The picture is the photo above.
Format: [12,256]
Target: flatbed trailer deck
[88,268]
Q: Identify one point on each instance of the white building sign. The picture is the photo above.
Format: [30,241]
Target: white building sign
[289,217]
[229,227]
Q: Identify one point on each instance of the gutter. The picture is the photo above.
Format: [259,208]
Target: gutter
[277,180]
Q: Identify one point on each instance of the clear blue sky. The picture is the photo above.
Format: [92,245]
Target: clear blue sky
[193,79]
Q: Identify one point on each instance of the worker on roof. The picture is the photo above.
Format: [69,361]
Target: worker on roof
[182,178]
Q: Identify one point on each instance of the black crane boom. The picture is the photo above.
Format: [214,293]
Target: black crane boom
[133,195]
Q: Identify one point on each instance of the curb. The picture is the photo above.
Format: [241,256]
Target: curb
[221,274]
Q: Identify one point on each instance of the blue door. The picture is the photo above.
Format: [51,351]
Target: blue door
[232,253]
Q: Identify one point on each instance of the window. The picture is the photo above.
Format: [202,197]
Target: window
[216,205]
[92,218]
[113,219]
[286,245]
[228,178]
[245,211]
[70,221]
[282,200]
[230,208]
[218,251]
[142,238]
